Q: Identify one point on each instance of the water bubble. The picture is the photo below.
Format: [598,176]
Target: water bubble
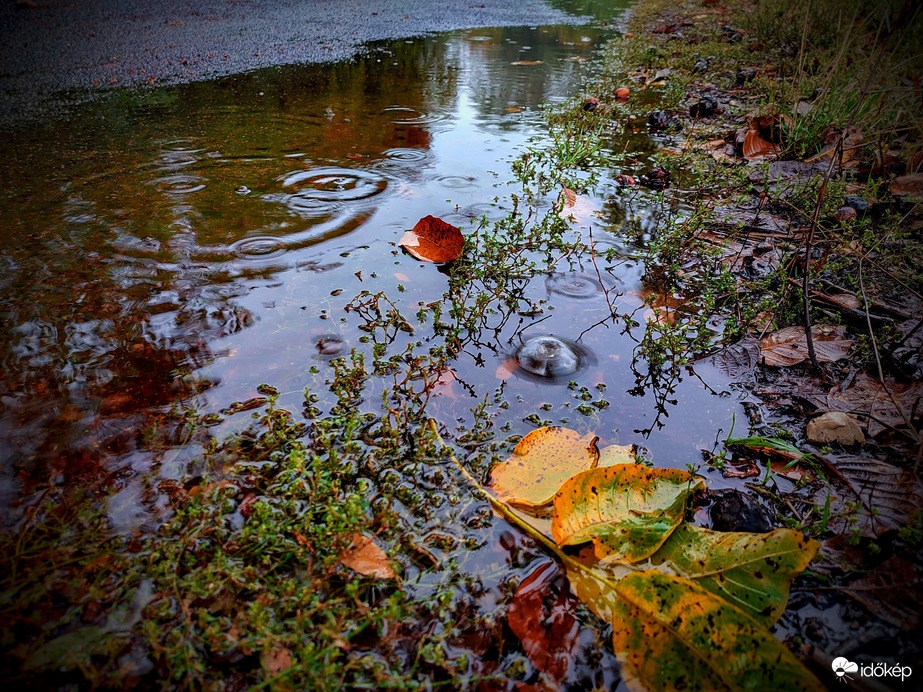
[258,247]
[330,346]
[550,357]
[179,184]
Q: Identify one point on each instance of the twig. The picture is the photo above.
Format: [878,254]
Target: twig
[881,375]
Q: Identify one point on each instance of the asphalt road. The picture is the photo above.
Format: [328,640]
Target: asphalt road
[47,46]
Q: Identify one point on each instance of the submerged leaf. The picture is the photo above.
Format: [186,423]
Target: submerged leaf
[433,240]
[364,557]
[527,62]
[669,634]
[789,346]
[540,463]
[543,615]
[627,511]
[752,571]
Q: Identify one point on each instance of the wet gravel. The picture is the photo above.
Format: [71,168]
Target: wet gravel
[48,46]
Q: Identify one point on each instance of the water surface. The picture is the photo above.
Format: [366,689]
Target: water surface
[170,250]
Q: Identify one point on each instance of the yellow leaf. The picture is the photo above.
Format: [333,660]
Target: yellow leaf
[540,463]
[616,454]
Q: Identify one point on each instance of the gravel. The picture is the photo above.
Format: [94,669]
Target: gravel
[104,44]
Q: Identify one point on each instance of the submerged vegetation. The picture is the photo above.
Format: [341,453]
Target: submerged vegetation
[323,548]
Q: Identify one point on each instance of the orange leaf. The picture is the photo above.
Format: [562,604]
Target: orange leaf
[755,146]
[364,557]
[540,463]
[433,240]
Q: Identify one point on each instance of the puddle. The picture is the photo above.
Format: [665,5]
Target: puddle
[173,249]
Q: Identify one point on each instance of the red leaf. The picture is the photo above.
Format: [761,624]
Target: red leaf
[433,240]
[543,616]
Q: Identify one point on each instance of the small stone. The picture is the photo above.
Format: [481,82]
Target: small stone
[745,74]
[700,66]
[735,511]
[845,214]
[243,190]
[857,203]
[834,426]
[658,178]
[659,121]
[703,108]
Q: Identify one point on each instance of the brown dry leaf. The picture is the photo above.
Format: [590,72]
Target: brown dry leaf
[893,592]
[755,147]
[891,497]
[866,397]
[540,464]
[793,474]
[527,62]
[847,301]
[513,109]
[908,186]
[543,614]
[789,346]
[433,240]
[851,143]
[276,661]
[365,557]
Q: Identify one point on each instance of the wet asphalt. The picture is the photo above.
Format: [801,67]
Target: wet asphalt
[52,48]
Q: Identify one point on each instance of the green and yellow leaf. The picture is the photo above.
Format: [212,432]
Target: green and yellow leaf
[627,510]
[540,463]
[616,454]
[670,634]
[752,571]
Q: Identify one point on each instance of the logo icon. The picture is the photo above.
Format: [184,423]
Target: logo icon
[842,666]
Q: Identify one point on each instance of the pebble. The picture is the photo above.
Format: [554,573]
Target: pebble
[857,203]
[705,107]
[659,120]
